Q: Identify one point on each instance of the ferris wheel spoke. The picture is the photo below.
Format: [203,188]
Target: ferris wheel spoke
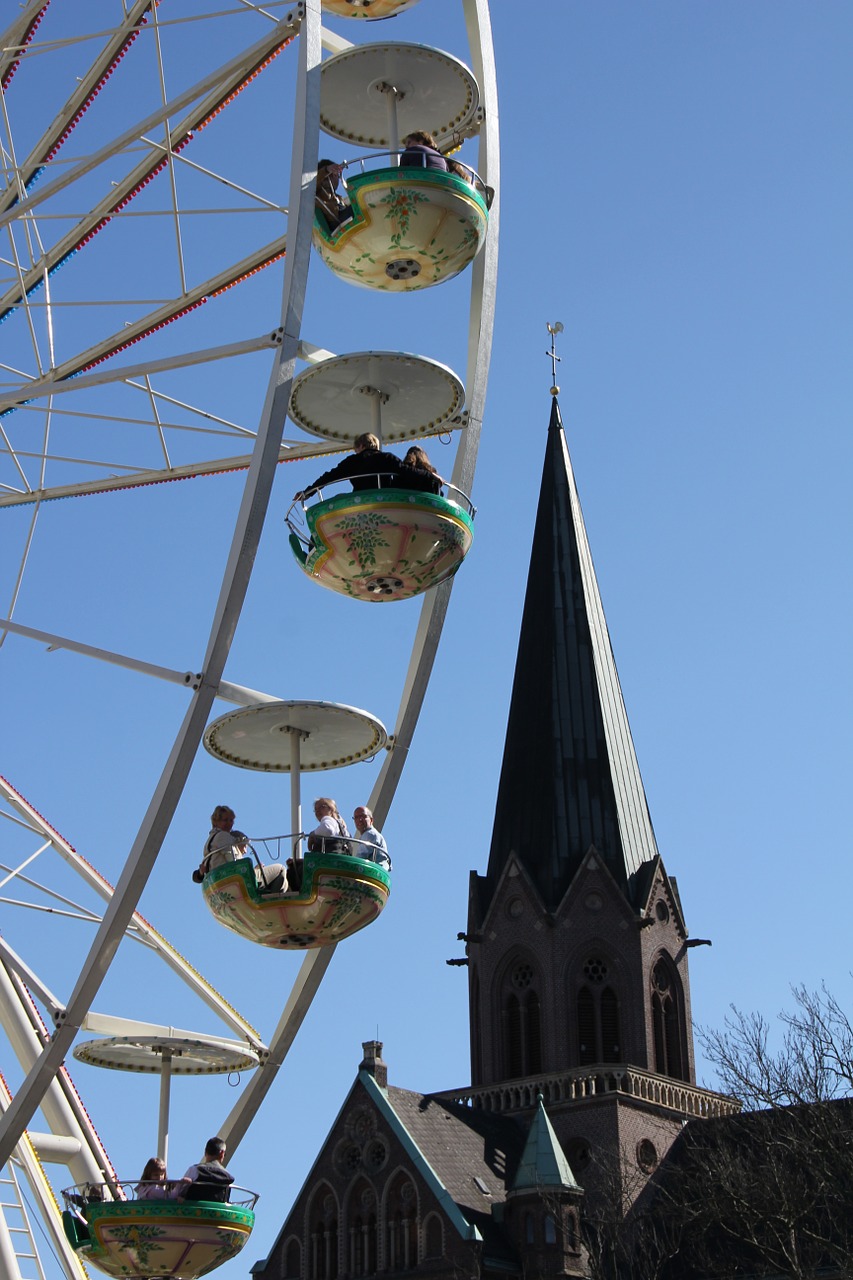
[16,37]
[89,85]
[215,90]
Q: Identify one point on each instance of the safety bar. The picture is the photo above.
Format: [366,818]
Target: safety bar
[86,1193]
[460,497]
[393,158]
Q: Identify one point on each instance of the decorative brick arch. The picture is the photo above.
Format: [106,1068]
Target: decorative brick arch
[322,1237]
[360,1230]
[400,1222]
[433,1237]
[291,1259]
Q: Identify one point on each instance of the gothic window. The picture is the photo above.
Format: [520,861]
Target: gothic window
[598,1019]
[433,1238]
[361,1237]
[323,1235]
[668,1020]
[362,1241]
[324,1250]
[401,1225]
[521,1021]
[292,1261]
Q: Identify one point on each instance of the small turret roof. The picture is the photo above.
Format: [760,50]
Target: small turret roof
[543,1163]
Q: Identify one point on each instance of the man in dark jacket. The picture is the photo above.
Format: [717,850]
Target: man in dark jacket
[368,468]
[209,1179]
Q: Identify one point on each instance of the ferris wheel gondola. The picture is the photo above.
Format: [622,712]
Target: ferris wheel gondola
[408,227]
[340,886]
[188,1231]
[383,542]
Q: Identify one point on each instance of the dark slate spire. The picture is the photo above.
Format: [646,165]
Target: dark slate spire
[570,777]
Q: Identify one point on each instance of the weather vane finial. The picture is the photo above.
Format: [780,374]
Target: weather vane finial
[554,329]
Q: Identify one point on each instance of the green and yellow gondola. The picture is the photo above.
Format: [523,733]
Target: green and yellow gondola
[410,228]
[384,544]
[165,1238]
[340,894]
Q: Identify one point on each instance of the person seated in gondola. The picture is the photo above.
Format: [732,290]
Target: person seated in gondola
[369,836]
[224,845]
[369,468]
[418,472]
[421,152]
[332,207]
[209,1179]
[153,1184]
[329,836]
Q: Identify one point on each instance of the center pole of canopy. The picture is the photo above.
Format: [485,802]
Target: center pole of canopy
[377,398]
[165,1097]
[391,95]
[295,769]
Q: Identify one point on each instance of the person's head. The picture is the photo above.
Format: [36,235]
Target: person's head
[328,171]
[415,457]
[365,442]
[324,806]
[420,138]
[362,818]
[214,1149]
[154,1171]
[222,817]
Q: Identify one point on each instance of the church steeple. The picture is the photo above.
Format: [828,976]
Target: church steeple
[570,777]
[576,941]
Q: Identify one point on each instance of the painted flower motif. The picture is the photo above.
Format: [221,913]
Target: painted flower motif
[402,203]
[363,535]
[143,1240]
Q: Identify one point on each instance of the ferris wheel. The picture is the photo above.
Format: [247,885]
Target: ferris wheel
[153,304]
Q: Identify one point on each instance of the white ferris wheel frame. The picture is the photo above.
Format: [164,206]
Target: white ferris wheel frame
[46,1052]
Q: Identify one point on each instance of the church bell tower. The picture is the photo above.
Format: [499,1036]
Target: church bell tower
[576,940]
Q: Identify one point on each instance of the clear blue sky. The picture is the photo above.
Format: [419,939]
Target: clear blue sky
[677,191]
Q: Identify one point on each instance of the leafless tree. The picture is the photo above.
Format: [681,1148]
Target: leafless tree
[768,1192]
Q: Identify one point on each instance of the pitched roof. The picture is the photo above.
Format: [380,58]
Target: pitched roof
[543,1163]
[467,1156]
[570,777]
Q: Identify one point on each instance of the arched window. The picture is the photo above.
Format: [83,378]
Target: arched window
[360,1244]
[597,1013]
[550,1229]
[521,1021]
[401,1225]
[433,1238]
[323,1234]
[293,1260]
[668,1020]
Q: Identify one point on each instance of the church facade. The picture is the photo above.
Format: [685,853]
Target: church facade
[582,1065]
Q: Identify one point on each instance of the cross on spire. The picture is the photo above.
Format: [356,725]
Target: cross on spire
[554,329]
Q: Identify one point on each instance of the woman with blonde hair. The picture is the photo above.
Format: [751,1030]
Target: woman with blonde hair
[330,830]
[329,836]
